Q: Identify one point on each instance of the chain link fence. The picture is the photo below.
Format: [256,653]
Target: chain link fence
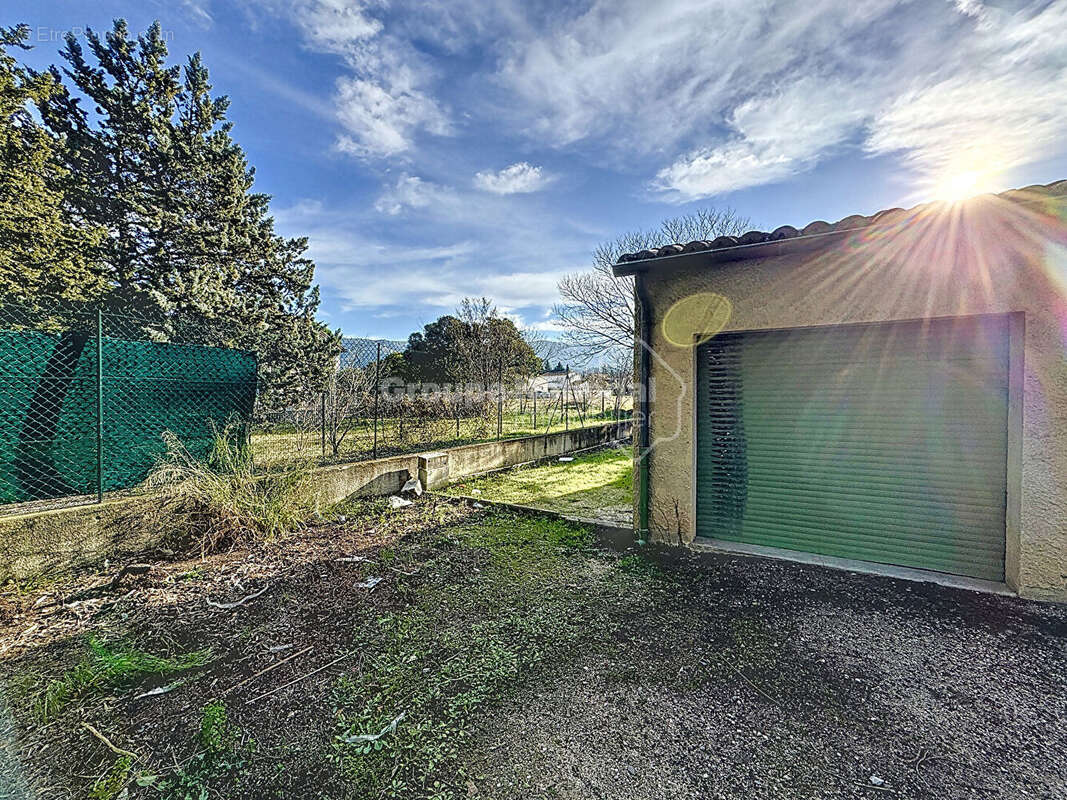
[367,411]
[86,394]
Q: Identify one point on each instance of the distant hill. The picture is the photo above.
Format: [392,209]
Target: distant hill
[359,352]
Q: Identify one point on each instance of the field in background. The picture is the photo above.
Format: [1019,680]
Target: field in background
[281,445]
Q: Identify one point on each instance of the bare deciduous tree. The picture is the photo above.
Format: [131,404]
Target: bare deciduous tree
[597,308]
[351,392]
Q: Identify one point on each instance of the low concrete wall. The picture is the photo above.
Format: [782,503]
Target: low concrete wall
[48,543]
[477,459]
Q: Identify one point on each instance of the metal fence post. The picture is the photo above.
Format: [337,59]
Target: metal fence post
[99,405]
[377,377]
[322,421]
[535,410]
[499,399]
[567,400]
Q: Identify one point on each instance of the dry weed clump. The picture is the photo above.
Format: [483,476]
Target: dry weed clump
[220,501]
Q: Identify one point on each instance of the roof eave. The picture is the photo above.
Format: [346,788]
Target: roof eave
[780,247]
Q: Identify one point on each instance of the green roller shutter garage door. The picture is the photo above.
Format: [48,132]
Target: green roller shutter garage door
[883,443]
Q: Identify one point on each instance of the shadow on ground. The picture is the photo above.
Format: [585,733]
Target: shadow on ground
[509,656]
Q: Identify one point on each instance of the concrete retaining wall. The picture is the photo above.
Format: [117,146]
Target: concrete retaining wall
[49,543]
[477,459]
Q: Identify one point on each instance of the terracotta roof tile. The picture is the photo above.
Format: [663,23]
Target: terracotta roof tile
[889,216]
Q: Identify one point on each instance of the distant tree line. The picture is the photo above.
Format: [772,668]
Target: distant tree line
[126,188]
[474,347]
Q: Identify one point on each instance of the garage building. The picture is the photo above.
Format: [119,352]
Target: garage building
[885,390]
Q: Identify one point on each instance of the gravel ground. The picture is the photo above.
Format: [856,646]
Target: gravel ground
[755,678]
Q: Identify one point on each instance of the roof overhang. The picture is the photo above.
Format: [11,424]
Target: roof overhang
[706,258]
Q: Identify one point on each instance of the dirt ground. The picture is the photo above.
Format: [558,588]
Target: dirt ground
[505,656]
[757,678]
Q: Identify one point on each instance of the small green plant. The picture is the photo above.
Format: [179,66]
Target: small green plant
[217,735]
[111,783]
[221,499]
[109,666]
[221,759]
[640,566]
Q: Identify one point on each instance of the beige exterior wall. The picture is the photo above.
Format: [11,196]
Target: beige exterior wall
[1000,258]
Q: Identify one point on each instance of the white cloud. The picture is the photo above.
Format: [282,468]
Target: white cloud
[198,11]
[737,94]
[335,25]
[383,104]
[410,191]
[519,178]
[388,269]
[433,278]
[1002,111]
[773,137]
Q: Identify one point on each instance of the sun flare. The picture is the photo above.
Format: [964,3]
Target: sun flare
[959,186]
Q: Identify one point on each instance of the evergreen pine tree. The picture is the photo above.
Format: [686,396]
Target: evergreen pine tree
[155,165]
[42,250]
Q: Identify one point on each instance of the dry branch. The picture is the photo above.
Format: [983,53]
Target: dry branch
[297,680]
[107,742]
[265,671]
[241,602]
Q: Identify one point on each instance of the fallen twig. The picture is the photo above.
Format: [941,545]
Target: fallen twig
[268,669]
[876,788]
[241,602]
[750,683]
[107,742]
[297,680]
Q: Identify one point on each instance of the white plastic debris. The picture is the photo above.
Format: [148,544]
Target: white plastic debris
[413,485]
[477,505]
[159,690]
[566,458]
[876,781]
[395,501]
[370,583]
[373,737]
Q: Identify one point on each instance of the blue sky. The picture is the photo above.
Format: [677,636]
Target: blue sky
[443,148]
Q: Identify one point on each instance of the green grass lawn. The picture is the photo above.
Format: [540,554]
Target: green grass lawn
[594,485]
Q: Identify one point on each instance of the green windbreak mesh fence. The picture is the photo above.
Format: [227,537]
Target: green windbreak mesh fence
[74,423]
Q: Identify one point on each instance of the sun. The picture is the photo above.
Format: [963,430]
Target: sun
[957,187]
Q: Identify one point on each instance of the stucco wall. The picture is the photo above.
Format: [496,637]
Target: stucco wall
[998,258]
